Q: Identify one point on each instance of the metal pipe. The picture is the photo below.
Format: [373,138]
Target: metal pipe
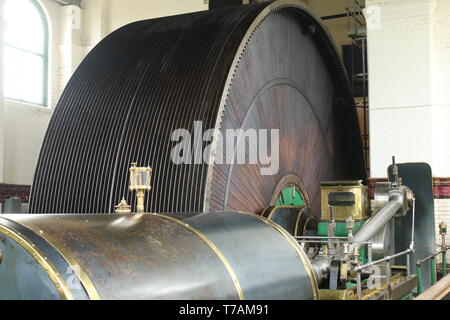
[321,238]
[388,258]
[433,271]
[433,268]
[413,222]
[408,264]
[379,220]
[358,285]
[412,246]
[420,262]
[419,279]
[443,231]
[321,241]
[388,272]
[444,263]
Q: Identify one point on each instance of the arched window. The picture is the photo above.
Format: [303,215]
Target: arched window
[25,52]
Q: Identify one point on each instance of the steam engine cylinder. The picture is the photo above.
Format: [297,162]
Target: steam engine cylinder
[149,256]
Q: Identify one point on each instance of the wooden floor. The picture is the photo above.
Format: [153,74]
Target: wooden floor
[440,291]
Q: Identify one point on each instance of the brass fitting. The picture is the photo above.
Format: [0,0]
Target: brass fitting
[123,207]
[346,251]
[325,250]
[140,182]
[442,228]
[350,224]
[443,233]
[345,266]
[356,255]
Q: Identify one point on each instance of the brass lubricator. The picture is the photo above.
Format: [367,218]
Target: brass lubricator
[140,182]
[140,178]
[350,224]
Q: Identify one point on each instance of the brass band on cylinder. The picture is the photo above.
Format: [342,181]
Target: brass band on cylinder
[81,274]
[298,250]
[43,261]
[216,250]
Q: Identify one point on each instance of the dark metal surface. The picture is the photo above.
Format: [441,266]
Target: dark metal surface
[205,256]
[261,66]
[217,4]
[21,275]
[419,178]
[295,220]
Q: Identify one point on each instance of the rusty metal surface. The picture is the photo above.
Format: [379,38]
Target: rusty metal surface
[263,66]
[156,257]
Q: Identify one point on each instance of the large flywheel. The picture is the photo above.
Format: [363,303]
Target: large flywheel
[268,66]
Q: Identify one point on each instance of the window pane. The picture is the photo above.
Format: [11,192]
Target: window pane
[24,26]
[13,73]
[24,35]
[33,76]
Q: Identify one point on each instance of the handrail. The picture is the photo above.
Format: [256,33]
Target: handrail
[370,264]
[385,259]
[433,268]
[318,239]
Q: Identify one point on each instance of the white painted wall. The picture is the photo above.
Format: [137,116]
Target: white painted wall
[409,78]
[118,13]
[441,105]
[25,124]
[409,64]
[441,88]
[101,17]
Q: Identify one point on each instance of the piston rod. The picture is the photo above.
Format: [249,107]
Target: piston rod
[379,220]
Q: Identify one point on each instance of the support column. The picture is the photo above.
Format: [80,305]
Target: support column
[400,51]
[409,77]
[441,89]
